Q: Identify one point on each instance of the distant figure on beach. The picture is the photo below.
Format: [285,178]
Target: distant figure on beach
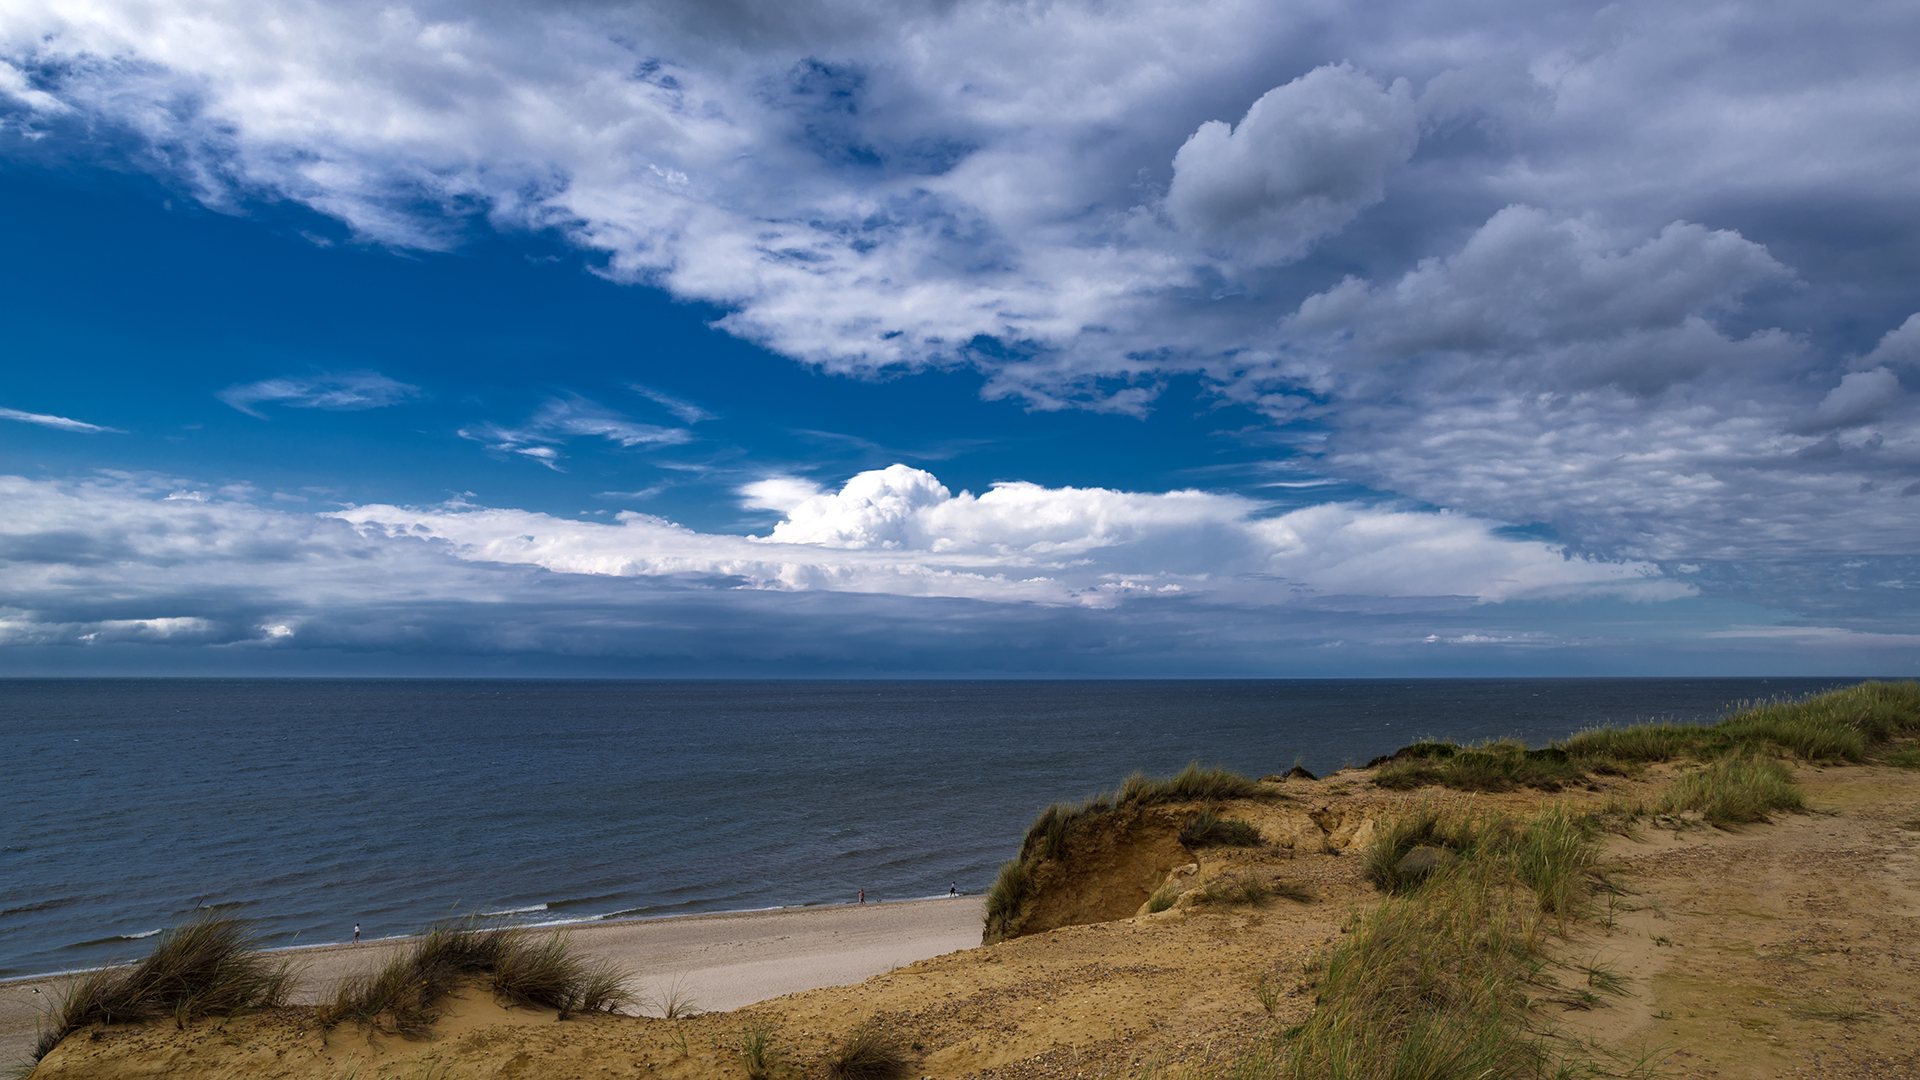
[356,933]
[863,896]
[953,889]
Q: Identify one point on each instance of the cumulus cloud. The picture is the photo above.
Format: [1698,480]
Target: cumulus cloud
[1018,579]
[58,423]
[347,392]
[1550,371]
[900,531]
[1899,348]
[1303,162]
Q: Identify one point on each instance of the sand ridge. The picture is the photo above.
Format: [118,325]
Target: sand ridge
[1777,950]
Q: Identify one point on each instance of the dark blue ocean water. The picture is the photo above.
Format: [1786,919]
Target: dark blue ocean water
[311,805]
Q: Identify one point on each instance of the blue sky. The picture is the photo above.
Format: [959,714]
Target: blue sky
[958,339]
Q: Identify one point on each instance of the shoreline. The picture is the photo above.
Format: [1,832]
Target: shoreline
[720,960]
[554,924]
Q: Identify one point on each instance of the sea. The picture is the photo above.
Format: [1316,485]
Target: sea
[313,805]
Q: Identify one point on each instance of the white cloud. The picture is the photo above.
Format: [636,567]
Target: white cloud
[347,392]
[59,423]
[560,419]
[1052,194]
[900,531]
[1018,579]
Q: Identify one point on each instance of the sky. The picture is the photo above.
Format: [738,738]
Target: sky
[958,338]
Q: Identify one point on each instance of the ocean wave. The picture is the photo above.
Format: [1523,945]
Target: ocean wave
[111,939]
[514,911]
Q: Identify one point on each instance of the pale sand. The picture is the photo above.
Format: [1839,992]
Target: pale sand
[717,962]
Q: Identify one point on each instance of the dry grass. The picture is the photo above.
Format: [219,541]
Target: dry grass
[206,965]
[869,1052]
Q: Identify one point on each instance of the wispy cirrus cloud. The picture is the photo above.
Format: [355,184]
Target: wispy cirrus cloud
[562,418]
[58,423]
[346,392]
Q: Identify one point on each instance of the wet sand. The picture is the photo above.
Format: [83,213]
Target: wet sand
[716,962]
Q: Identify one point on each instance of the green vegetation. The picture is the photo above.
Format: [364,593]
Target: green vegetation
[1009,891]
[1209,830]
[519,966]
[869,1052]
[1843,725]
[758,1055]
[1908,758]
[1162,899]
[208,964]
[1733,790]
[1442,979]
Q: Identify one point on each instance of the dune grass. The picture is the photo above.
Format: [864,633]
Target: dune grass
[1733,790]
[205,965]
[1008,893]
[759,1055]
[1442,979]
[1846,725]
[520,966]
[1210,830]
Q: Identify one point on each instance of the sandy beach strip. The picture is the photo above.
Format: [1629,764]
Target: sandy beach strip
[716,962]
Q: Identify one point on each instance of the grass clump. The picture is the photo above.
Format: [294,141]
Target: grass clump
[1004,899]
[1241,888]
[1734,790]
[1209,830]
[1162,899]
[1191,784]
[204,965]
[869,1052]
[519,966]
[758,1054]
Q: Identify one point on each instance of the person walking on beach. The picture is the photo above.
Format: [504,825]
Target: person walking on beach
[863,896]
[953,889]
[356,933]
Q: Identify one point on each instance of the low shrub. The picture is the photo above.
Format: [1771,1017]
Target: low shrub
[869,1052]
[1209,830]
[207,964]
[1163,898]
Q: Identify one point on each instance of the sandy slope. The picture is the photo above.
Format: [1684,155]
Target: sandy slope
[716,961]
[1777,950]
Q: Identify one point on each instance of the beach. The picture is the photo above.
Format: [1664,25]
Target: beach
[716,962]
